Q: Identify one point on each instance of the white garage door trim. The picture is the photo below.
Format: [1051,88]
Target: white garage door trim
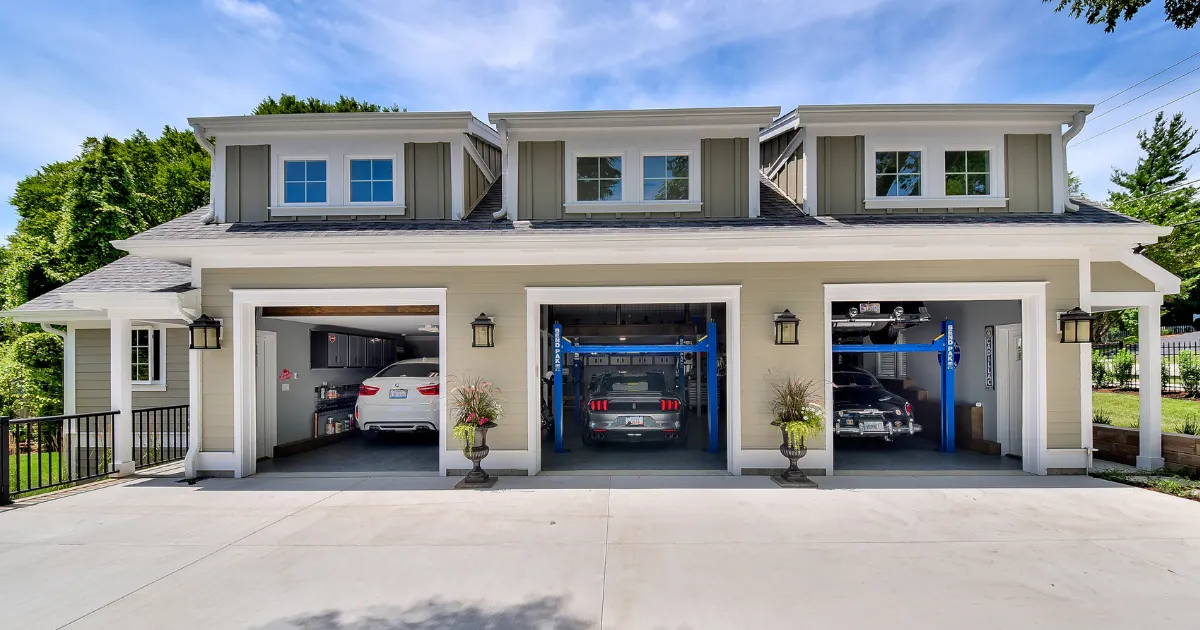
[730,295]
[1033,329]
[244,303]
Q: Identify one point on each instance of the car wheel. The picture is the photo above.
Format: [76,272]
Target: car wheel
[884,336]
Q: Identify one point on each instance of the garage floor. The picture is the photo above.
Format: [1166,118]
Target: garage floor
[389,454]
[646,456]
[913,454]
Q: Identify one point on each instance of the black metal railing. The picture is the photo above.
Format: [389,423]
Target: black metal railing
[37,454]
[1116,365]
[160,435]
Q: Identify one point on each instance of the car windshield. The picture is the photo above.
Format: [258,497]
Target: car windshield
[619,383]
[854,379]
[417,370]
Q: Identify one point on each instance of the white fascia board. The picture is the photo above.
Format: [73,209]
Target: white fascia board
[56,316]
[939,113]
[139,304]
[758,117]
[358,121]
[483,130]
[1163,280]
[781,125]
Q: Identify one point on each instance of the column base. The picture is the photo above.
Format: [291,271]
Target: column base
[124,469]
[1150,463]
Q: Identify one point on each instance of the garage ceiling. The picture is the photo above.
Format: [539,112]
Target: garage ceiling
[390,324]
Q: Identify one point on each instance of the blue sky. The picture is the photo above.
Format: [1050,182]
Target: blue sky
[69,70]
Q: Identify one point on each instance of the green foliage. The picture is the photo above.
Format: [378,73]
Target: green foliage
[1123,367]
[1100,416]
[1182,13]
[1074,184]
[1099,370]
[31,375]
[1189,372]
[476,403]
[796,406]
[289,104]
[1190,425]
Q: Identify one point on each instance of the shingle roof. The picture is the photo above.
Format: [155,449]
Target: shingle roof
[131,273]
[491,203]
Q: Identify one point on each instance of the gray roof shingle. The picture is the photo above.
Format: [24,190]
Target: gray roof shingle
[131,273]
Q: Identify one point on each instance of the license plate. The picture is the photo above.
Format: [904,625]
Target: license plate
[869,307]
[635,421]
[398,394]
[872,425]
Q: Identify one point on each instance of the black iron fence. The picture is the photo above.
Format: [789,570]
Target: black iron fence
[160,435]
[1116,365]
[37,454]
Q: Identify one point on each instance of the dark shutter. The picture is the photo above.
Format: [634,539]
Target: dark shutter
[155,356]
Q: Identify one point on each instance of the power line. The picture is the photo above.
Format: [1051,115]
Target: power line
[1150,91]
[1174,188]
[1159,108]
[1195,54]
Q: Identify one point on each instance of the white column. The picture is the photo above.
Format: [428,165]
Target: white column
[755,175]
[1150,390]
[121,395]
[457,154]
[191,461]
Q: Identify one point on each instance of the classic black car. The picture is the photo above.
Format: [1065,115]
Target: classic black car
[880,321]
[863,408]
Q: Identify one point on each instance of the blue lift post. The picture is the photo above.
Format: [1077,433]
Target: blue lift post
[707,345]
[947,350]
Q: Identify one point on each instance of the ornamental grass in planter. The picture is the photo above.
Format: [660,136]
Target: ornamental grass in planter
[476,406]
[796,407]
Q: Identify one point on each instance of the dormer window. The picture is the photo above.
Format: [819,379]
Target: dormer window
[897,173]
[598,178]
[371,181]
[304,181]
[665,177]
[967,173]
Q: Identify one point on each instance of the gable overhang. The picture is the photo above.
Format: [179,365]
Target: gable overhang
[711,117]
[55,316]
[1164,281]
[356,122]
[934,114]
[135,305]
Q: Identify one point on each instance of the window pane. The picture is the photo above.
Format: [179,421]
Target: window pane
[677,166]
[587,167]
[908,185]
[956,185]
[677,189]
[293,192]
[610,167]
[977,184]
[884,185]
[654,167]
[316,172]
[293,171]
[956,161]
[316,193]
[382,191]
[382,169]
[654,189]
[360,191]
[360,170]
[610,190]
[587,190]
[910,162]
[141,373]
[977,161]
[885,163]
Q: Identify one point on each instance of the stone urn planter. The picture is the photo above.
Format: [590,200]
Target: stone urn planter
[793,477]
[795,405]
[478,477]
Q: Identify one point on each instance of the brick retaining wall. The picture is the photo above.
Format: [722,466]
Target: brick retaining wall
[1119,444]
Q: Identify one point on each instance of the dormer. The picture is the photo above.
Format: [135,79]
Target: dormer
[632,164]
[907,159]
[349,166]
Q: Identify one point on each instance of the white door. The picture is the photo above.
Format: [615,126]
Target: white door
[265,395]
[1009,390]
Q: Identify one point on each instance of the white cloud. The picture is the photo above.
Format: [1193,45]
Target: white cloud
[250,14]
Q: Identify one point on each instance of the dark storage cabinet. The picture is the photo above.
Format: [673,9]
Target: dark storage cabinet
[343,350]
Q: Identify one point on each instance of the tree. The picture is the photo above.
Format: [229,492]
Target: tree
[289,104]
[1182,13]
[1074,184]
[1167,147]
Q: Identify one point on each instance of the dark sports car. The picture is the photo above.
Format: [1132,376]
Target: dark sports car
[863,408]
[633,407]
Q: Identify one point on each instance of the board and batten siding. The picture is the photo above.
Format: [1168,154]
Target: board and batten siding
[841,186]
[766,289]
[790,178]
[724,177]
[247,183]
[427,180]
[1029,180]
[92,363]
[475,185]
[541,169]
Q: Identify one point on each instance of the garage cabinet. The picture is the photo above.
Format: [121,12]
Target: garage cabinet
[344,350]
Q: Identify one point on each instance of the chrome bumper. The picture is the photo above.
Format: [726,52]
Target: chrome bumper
[889,430]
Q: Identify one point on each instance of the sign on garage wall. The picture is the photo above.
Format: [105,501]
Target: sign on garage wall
[989,358]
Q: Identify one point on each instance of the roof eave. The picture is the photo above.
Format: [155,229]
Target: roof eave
[356,121]
[691,117]
[936,113]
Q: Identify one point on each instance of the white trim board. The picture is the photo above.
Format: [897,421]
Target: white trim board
[245,301]
[1033,331]
[730,295]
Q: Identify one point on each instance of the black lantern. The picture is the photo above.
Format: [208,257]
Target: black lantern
[787,329]
[1076,326]
[481,332]
[205,334]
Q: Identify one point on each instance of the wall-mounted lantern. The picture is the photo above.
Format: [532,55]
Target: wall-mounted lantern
[481,332]
[1076,325]
[205,334]
[787,329]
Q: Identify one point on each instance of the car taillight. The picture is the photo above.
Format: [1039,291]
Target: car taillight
[908,408]
[367,390]
[430,390]
[598,405]
[668,404]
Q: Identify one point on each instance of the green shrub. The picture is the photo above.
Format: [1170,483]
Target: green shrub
[31,375]
[1122,368]
[1100,416]
[1190,425]
[1099,370]
[1189,372]
[1165,373]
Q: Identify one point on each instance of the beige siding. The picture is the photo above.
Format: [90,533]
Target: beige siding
[92,383]
[1029,177]
[427,180]
[540,171]
[247,182]
[766,289]
[790,178]
[840,172]
[725,179]
[1115,276]
[475,185]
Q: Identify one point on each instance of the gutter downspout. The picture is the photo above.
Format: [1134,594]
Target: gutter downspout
[1077,122]
[54,331]
[211,149]
[502,129]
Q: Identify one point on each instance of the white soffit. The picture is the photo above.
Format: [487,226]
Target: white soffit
[348,122]
[925,113]
[600,119]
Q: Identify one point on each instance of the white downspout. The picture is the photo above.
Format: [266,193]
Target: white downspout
[502,128]
[211,149]
[54,331]
[1077,122]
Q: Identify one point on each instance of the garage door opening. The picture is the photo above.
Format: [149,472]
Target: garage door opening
[347,389]
[890,409]
[636,398]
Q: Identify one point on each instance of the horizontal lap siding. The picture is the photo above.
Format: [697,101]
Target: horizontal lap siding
[1115,276]
[766,289]
[92,363]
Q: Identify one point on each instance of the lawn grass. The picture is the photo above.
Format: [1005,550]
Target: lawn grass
[41,468]
[1124,411]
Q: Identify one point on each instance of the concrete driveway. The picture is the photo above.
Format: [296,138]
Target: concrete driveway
[619,552]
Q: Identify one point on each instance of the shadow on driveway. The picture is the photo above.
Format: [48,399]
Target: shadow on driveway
[543,614]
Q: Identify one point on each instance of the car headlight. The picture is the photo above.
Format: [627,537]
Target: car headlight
[898,412]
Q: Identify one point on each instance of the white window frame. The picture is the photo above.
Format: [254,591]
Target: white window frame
[337,187]
[159,384]
[281,182]
[921,173]
[966,160]
[933,173]
[692,171]
[397,176]
[574,166]
[633,171]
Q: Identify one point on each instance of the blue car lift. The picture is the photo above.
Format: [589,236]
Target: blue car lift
[706,345]
[948,358]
